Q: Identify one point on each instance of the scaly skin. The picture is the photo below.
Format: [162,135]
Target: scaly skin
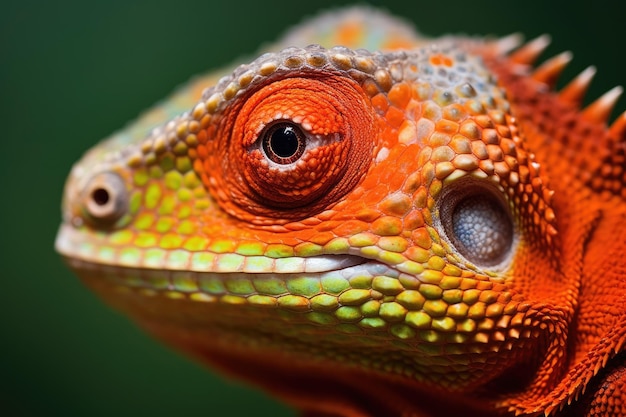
[427,231]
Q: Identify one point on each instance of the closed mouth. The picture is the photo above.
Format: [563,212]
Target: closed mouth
[81,247]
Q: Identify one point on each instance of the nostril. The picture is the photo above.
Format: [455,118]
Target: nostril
[104,199]
[100,196]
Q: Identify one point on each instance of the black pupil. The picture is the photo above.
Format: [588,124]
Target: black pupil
[283,141]
[100,196]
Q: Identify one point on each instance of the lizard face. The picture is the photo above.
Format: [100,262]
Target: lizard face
[333,207]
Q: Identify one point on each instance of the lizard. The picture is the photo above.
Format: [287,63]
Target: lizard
[373,222]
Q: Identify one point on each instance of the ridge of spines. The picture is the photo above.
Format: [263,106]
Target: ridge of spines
[599,111]
[549,71]
[617,130]
[575,90]
[528,53]
[506,44]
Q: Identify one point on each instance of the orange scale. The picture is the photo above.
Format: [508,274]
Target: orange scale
[413,220]
[495,153]
[399,95]
[388,135]
[395,117]
[470,129]
[431,111]
[397,204]
[351,227]
[327,225]
[508,146]
[441,59]
[454,112]
[504,131]
[479,149]
[322,238]
[446,126]
[422,238]
[387,226]
[367,214]
[484,121]
[380,103]
[460,144]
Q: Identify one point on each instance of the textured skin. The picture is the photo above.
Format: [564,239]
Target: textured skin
[445,240]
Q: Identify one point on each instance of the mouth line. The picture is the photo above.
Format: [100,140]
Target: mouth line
[86,251]
[233,287]
[319,264]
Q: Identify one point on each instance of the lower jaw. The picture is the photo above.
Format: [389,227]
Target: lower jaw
[212,327]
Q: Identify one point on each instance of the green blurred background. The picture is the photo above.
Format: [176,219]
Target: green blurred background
[71,72]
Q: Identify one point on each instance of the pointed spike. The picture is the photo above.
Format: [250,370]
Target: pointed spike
[506,44]
[575,90]
[548,72]
[529,52]
[600,110]
[605,360]
[618,131]
[597,368]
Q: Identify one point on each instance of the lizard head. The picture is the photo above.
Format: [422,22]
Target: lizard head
[322,209]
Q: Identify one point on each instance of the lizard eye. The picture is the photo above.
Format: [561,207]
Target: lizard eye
[283,143]
[105,198]
[293,147]
[477,222]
